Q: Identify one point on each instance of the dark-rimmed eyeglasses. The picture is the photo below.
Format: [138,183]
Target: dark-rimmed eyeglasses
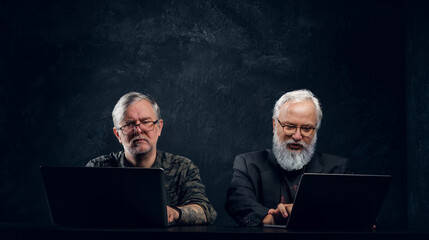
[131,128]
[289,129]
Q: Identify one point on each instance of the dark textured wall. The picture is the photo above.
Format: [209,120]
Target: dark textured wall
[215,67]
[418,113]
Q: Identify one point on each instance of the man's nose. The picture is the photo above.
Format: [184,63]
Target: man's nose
[297,135]
[138,130]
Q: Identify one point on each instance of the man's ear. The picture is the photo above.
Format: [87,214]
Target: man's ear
[117,134]
[160,125]
[274,125]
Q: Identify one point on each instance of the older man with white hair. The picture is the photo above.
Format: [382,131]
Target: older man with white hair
[264,183]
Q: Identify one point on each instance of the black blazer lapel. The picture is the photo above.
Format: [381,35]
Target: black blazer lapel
[271,183]
[314,166]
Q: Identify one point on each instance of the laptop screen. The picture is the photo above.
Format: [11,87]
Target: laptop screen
[105,197]
[338,201]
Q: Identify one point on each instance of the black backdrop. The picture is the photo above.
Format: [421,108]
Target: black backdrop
[216,69]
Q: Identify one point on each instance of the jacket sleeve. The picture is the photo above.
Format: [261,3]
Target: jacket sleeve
[193,192]
[346,166]
[242,196]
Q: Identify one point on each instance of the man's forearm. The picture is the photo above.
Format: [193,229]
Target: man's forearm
[192,214]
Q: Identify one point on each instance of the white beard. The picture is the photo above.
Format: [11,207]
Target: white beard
[293,160]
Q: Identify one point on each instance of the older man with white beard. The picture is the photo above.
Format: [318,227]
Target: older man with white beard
[264,183]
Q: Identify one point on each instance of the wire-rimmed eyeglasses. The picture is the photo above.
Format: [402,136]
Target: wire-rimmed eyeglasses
[145,126]
[289,129]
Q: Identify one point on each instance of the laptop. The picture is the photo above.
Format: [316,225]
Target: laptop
[86,197]
[337,202]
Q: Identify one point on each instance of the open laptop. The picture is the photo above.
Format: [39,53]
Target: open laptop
[337,202]
[86,197]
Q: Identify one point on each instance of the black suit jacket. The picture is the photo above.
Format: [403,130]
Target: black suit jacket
[256,183]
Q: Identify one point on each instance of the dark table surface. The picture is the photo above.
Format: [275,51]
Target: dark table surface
[46,231]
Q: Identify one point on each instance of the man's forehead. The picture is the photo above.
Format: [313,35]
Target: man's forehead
[133,119]
[304,108]
[141,110]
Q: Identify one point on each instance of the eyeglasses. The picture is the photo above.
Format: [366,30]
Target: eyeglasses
[145,126]
[289,130]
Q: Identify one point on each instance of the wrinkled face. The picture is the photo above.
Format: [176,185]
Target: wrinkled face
[138,141]
[299,114]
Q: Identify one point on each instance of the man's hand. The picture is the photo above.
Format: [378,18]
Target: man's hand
[172,214]
[278,216]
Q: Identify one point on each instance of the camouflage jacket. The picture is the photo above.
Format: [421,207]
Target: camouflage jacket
[182,179]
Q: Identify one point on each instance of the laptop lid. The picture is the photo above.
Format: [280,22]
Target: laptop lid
[105,197]
[338,201]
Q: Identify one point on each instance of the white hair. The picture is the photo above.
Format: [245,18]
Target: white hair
[125,101]
[298,96]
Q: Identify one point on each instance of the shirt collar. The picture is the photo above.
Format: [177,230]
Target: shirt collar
[157,164]
[158,160]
